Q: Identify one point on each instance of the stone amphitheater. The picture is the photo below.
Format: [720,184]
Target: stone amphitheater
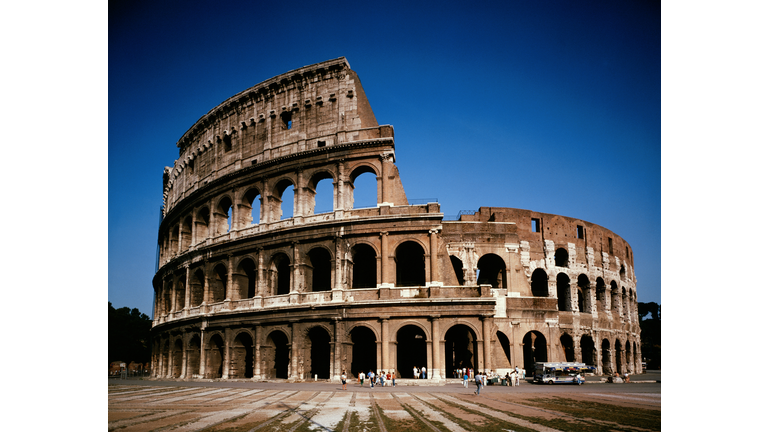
[255,282]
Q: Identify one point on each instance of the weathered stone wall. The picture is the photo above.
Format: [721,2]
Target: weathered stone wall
[383,288]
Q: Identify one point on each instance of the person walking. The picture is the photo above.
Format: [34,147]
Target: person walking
[343,380]
[362,378]
[466,378]
[415,372]
[516,375]
[478,383]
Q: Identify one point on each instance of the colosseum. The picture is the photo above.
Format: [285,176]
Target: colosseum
[243,291]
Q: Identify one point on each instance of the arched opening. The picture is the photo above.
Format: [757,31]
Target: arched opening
[605,352]
[166,358]
[617,354]
[244,280]
[215,360]
[320,263]
[563,292]
[363,350]
[458,268]
[363,266]
[186,233]
[285,194]
[539,283]
[411,350]
[196,284]
[280,274]
[319,342]
[193,356]
[174,241]
[410,268]
[534,350]
[623,273]
[223,216]
[561,257]
[628,356]
[625,304]
[167,296]
[218,286]
[242,357]
[460,349]
[600,294]
[615,299]
[566,342]
[275,355]
[502,345]
[201,224]
[364,188]
[320,194]
[181,294]
[251,205]
[178,355]
[493,271]
[584,297]
[588,354]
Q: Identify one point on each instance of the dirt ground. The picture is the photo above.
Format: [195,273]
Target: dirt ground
[168,408]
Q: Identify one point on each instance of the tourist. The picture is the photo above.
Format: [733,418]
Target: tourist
[362,378]
[343,380]
[478,383]
[423,372]
[415,372]
[466,378]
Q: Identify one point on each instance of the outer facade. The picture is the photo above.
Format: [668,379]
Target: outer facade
[242,291]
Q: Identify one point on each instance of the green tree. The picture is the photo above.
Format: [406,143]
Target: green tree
[650,336]
[129,335]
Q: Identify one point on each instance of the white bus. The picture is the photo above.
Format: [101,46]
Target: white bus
[561,372]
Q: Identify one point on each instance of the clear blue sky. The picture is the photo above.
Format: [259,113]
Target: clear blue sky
[551,106]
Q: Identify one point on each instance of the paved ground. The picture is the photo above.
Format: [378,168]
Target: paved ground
[144,405]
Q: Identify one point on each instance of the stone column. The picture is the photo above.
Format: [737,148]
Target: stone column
[187,293]
[294,353]
[295,285]
[385,363]
[433,263]
[184,356]
[173,294]
[385,280]
[257,353]
[193,228]
[229,278]
[260,276]
[227,355]
[437,364]
[487,342]
[338,286]
[337,337]
[202,353]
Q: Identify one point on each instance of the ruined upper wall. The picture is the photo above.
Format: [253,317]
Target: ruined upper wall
[311,107]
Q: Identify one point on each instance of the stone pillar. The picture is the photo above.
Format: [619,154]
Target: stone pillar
[227,355]
[202,353]
[337,340]
[184,356]
[383,182]
[257,353]
[178,240]
[338,284]
[173,294]
[260,276]
[193,228]
[385,280]
[187,293]
[295,284]
[487,342]
[340,188]
[437,364]
[206,285]
[434,270]
[229,278]
[294,353]
[385,359]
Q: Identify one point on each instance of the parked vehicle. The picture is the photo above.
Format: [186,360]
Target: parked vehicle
[561,372]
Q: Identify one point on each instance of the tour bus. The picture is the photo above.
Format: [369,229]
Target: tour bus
[561,372]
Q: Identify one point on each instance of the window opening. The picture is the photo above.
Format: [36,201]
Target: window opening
[287,121]
[610,245]
[535,225]
[321,143]
[579,231]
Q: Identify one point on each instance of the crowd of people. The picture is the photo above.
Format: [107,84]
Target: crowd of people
[386,379]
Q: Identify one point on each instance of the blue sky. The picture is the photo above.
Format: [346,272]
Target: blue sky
[548,106]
